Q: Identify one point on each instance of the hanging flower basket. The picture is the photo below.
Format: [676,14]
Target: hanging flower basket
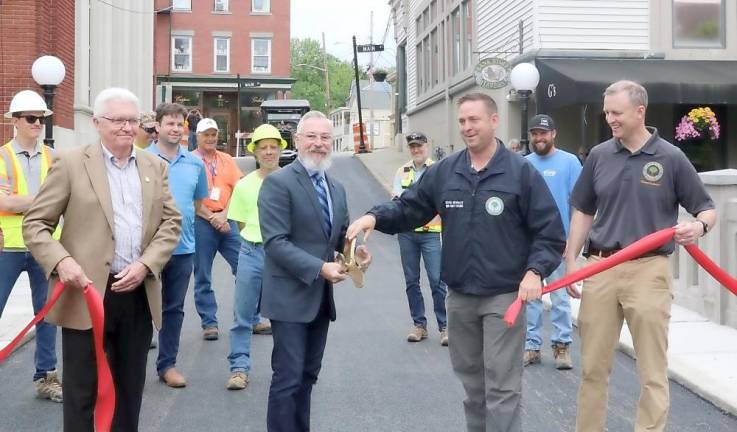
[699,123]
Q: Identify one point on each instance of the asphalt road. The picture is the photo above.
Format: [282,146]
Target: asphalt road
[372,379]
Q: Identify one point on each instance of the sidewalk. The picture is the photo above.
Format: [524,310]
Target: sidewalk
[701,356]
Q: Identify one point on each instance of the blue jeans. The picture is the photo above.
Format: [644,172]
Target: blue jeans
[560,315]
[245,304]
[12,264]
[174,284]
[208,242]
[412,246]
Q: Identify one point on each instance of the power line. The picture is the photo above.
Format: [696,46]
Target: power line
[120,8]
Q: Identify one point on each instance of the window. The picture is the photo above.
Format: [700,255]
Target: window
[467,33]
[222,55]
[261,55]
[181,55]
[261,6]
[220,6]
[455,38]
[698,23]
[182,4]
[419,77]
[435,54]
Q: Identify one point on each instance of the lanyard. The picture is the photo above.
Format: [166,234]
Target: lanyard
[211,166]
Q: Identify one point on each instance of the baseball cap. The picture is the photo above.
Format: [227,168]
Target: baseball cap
[416,138]
[542,121]
[205,124]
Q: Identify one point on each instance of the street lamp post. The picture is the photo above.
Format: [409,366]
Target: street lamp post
[48,72]
[524,78]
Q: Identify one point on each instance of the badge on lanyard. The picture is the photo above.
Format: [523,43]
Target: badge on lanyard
[215,194]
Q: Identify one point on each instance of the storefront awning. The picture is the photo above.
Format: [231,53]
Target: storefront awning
[574,81]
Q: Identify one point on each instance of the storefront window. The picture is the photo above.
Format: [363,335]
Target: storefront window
[698,23]
[188,98]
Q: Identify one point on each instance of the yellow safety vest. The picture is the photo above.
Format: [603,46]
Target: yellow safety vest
[408,177]
[12,223]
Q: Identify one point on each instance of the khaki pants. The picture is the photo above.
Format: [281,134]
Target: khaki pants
[639,291]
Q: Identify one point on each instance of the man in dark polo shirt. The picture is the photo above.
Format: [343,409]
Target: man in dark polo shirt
[634,184]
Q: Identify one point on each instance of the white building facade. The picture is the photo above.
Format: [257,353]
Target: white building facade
[683,51]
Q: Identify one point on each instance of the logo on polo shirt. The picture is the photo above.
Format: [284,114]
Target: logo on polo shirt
[652,171]
[494,206]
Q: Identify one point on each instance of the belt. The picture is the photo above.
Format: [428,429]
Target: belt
[607,253]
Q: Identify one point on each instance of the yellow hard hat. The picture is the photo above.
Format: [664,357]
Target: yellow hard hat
[265,131]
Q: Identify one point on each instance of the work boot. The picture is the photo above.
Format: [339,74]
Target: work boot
[562,356]
[531,357]
[417,333]
[237,381]
[173,379]
[210,333]
[444,337]
[49,387]
[262,328]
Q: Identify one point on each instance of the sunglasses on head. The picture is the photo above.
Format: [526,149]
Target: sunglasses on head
[416,137]
[31,119]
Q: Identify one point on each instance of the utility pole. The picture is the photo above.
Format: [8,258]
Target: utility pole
[327,74]
[371,85]
[362,145]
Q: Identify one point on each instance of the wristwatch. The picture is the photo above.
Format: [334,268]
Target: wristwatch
[704,224]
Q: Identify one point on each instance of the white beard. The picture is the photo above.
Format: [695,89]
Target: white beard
[323,165]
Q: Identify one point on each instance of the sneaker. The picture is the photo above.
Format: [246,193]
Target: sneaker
[417,333]
[237,381]
[531,357]
[562,356]
[210,333]
[49,388]
[262,328]
[444,337]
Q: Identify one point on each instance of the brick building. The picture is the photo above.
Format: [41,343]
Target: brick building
[102,44]
[28,30]
[223,57]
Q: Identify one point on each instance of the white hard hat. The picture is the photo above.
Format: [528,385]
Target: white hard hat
[25,101]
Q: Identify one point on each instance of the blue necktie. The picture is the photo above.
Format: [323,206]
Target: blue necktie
[322,196]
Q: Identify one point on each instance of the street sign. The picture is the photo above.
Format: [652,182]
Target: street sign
[251,84]
[370,48]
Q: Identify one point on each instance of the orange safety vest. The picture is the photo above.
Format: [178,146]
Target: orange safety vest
[12,223]
[406,180]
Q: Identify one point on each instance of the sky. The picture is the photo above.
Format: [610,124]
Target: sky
[340,20]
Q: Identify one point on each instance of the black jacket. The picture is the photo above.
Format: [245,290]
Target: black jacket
[497,223]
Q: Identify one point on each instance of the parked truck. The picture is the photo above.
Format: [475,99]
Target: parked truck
[285,114]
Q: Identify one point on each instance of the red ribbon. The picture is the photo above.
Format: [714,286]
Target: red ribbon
[636,249]
[105,406]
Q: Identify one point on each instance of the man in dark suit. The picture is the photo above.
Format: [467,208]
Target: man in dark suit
[304,216]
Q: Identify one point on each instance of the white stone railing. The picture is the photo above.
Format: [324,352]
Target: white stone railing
[694,288]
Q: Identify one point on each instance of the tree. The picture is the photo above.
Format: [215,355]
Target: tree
[310,82]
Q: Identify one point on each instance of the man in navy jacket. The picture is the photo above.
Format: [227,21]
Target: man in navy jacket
[502,234]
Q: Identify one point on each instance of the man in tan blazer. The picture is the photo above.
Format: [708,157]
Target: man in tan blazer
[120,228]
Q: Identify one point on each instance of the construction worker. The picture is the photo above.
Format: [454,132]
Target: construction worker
[266,145]
[24,162]
[423,242]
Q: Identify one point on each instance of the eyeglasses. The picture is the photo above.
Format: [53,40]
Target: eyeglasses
[149,130]
[120,122]
[416,136]
[31,119]
[314,137]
